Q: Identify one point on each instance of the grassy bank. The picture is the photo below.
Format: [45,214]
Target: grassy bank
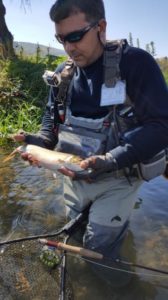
[23,93]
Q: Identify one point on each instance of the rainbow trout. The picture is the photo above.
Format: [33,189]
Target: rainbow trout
[48,159]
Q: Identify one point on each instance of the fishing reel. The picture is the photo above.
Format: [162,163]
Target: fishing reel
[51,78]
[50,256]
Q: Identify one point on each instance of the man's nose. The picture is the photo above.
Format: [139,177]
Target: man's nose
[69,46]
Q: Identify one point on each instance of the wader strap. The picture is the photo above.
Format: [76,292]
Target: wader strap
[61,97]
[66,77]
[111,61]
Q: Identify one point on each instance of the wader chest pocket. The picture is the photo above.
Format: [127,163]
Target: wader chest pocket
[80,141]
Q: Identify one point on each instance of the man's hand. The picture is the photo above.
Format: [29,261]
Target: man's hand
[19,137]
[28,157]
[34,139]
[100,162]
[92,167]
[79,175]
[67,172]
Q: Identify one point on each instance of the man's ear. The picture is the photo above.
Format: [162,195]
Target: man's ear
[102,31]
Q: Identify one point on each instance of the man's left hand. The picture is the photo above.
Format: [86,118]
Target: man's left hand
[93,166]
[67,172]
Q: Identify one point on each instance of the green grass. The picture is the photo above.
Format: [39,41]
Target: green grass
[23,93]
[24,116]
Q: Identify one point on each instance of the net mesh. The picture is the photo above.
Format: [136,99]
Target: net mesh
[23,276]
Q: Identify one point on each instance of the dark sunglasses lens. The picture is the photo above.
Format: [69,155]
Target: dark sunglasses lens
[74,37]
[70,38]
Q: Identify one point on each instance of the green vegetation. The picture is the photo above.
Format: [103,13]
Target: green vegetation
[163,63]
[23,93]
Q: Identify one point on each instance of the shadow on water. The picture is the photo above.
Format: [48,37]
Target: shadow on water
[31,203]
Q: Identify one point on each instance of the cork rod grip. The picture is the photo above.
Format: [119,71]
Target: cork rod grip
[79,251]
[73,249]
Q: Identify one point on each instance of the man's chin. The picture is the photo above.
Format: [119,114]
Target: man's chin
[79,62]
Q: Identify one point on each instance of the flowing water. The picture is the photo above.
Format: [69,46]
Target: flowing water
[31,203]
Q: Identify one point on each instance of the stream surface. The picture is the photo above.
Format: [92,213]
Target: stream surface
[31,203]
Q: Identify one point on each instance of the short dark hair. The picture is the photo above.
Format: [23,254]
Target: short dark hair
[62,9]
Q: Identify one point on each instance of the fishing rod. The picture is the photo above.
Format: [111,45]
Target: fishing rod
[141,266]
[120,269]
[67,229]
[86,253]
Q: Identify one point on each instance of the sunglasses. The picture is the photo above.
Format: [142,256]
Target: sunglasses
[75,36]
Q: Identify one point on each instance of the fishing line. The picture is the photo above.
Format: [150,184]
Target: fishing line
[87,253]
[120,269]
[141,266]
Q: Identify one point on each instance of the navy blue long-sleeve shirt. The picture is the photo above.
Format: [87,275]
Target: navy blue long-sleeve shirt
[148,92]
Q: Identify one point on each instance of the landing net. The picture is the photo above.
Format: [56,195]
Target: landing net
[24,276]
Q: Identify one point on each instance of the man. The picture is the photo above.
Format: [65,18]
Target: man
[112,132]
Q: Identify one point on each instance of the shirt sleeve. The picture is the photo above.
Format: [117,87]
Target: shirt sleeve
[148,91]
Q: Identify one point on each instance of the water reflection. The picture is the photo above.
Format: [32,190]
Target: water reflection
[31,203]
[31,200]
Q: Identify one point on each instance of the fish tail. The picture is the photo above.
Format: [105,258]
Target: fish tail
[10,156]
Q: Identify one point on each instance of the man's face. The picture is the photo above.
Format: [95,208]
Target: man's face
[86,50]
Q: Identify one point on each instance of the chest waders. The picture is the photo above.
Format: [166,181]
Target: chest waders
[87,136]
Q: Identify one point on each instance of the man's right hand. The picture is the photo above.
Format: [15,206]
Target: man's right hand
[19,137]
[31,138]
